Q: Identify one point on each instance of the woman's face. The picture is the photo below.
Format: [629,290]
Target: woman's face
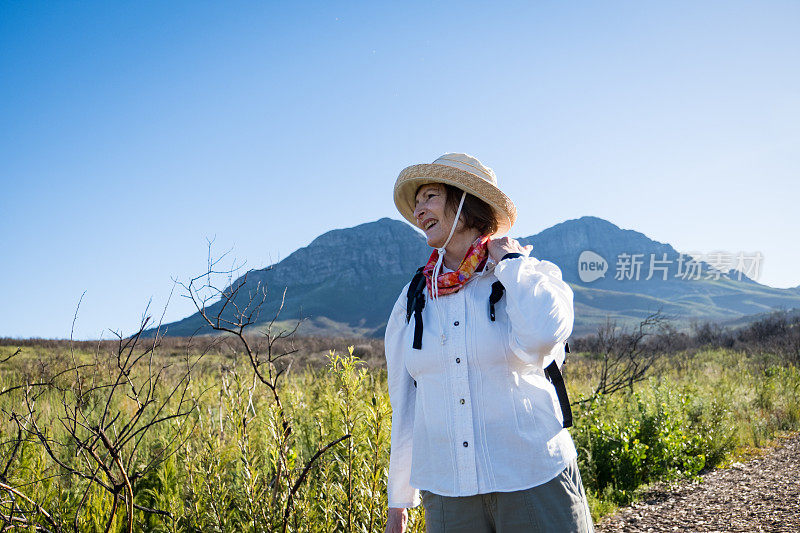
[429,211]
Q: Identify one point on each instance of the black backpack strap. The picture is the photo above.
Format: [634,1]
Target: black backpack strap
[494,297]
[554,375]
[416,302]
[413,290]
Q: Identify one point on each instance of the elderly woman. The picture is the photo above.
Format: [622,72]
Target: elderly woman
[477,429]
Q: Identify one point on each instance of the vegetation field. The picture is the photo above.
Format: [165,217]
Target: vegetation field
[136,436]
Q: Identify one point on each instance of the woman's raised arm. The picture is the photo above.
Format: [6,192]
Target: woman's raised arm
[539,306]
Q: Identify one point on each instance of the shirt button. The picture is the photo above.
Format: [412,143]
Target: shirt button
[458,359]
[462,401]
[466,444]
[455,323]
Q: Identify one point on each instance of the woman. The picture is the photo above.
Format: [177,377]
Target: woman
[476,427]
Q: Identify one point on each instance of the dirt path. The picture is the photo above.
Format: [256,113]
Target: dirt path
[762,494]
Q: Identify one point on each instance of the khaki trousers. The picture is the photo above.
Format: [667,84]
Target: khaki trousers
[558,506]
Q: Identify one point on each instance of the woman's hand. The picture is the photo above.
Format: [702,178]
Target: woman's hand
[506,245]
[396,520]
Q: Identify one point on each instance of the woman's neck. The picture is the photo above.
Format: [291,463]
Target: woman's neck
[458,247]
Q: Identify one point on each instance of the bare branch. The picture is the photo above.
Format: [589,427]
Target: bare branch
[16,353]
[303,475]
[626,359]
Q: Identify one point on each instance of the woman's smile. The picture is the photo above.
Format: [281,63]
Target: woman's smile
[433,233]
[428,223]
[430,214]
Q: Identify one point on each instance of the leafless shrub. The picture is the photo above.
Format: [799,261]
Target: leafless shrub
[626,356]
[778,333]
[18,510]
[668,340]
[237,308]
[711,334]
[106,411]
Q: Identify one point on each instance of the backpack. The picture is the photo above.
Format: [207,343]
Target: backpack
[416,303]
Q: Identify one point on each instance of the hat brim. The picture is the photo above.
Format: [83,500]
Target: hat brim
[413,177]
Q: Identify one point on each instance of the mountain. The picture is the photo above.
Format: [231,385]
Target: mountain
[346,280]
[711,292]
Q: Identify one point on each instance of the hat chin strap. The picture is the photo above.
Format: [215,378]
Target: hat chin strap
[438,267]
[440,260]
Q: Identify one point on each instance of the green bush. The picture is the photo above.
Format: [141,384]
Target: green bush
[689,418]
[633,440]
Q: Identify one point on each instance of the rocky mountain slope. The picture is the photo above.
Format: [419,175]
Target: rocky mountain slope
[346,280]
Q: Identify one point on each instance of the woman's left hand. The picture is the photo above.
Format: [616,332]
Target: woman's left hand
[505,245]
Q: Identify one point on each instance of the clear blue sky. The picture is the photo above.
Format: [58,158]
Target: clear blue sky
[131,132]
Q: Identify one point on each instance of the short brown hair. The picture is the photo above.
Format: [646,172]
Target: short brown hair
[477,213]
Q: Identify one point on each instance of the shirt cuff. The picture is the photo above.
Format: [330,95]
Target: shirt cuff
[416,500]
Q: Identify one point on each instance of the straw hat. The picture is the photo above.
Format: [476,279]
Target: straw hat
[462,171]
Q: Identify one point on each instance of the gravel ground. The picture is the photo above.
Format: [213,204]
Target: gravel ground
[762,494]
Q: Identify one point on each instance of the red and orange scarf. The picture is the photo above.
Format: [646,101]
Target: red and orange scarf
[451,282]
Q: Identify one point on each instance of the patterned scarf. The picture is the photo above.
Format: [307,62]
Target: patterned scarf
[451,282]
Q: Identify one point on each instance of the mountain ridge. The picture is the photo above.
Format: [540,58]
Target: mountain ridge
[347,280]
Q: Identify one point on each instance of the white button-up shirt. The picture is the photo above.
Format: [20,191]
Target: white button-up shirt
[482,417]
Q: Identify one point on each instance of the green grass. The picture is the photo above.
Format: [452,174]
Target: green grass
[696,412]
